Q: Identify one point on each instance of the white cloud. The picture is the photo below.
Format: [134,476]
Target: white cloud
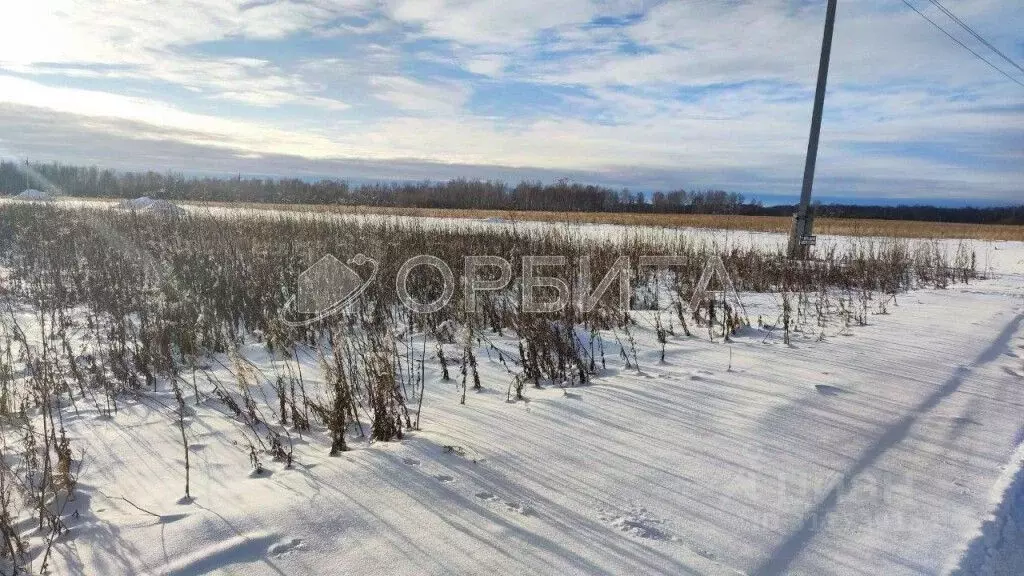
[486,64]
[684,87]
[188,127]
[112,31]
[489,23]
[412,96]
[700,43]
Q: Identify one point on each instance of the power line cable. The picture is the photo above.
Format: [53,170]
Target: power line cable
[976,35]
[962,45]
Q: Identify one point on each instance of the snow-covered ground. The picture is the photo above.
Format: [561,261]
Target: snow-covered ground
[893,448]
[997,550]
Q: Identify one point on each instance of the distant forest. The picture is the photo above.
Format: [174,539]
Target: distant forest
[561,196]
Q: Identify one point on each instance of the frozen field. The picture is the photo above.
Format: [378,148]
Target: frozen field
[895,448]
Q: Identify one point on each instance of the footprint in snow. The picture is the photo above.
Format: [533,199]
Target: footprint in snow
[444,478]
[829,390]
[641,524]
[410,461]
[705,554]
[518,508]
[283,548]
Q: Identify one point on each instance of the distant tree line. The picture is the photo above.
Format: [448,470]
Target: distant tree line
[966,214]
[560,196]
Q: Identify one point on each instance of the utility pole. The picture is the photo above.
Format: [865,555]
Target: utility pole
[801,238]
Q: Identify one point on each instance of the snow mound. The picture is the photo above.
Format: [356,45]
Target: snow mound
[136,204]
[998,548]
[147,204]
[34,195]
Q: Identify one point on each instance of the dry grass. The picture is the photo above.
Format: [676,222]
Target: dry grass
[779,224]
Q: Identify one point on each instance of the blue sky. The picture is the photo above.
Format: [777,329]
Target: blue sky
[637,93]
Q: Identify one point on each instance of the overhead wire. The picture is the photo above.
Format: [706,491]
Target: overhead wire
[979,37]
[962,45]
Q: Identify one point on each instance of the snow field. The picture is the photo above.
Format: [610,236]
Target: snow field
[863,454]
[866,450]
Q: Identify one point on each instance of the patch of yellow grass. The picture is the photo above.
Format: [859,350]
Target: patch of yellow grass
[781,224]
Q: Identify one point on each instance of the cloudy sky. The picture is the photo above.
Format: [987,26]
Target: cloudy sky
[640,93]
